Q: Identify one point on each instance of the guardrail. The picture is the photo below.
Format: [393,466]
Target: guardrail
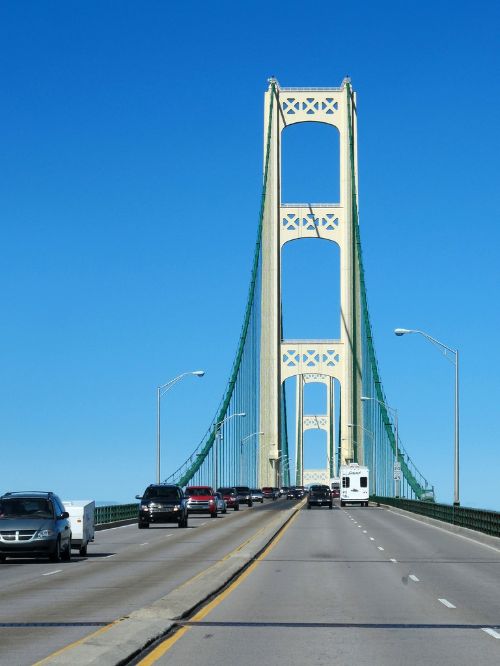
[115,513]
[480,520]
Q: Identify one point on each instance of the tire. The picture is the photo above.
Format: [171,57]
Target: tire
[183,522]
[330,506]
[83,550]
[225,510]
[309,507]
[143,526]
[56,555]
[3,558]
[250,503]
[342,503]
[66,554]
[237,507]
[213,515]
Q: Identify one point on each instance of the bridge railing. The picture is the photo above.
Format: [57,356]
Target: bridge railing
[480,520]
[115,512]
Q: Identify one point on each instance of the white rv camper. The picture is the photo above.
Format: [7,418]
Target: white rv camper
[354,484]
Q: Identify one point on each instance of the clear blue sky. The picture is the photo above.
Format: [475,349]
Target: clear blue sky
[131,161]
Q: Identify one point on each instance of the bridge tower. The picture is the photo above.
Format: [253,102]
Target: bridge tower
[283,222]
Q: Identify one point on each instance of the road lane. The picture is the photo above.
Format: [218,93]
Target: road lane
[326,594]
[118,576]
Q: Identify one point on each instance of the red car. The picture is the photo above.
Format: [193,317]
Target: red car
[201,499]
[230,496]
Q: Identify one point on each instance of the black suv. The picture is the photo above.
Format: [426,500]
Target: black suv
[33,524]
[162,503]
[319,496]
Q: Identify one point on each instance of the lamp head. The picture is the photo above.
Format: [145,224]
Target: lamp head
[401,331]
[198,373]
[365,397]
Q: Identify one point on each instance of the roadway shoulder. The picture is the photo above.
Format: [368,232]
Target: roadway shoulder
[474,535]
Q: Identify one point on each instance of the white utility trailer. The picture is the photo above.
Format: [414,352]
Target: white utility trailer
[354,484]
[81,518]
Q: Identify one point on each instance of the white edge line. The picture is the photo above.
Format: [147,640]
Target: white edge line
[51,573]
[446,603]
[491,632]
[112,555]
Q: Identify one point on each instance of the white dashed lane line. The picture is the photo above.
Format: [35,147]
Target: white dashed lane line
[380,547]
[446,603]
[51,573]
[414,578]
[144,544]
[393,560]
[372,539]
[364,531]
[491,632]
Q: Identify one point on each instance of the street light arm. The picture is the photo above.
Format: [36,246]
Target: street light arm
[166,387]
[440,345]
[219,425]
[252,435]
[355,425]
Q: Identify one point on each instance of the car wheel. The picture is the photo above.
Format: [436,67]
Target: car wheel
[309,506]
[213,515]
[66,554]
[225,510]
[342,503]
[83,550]
[237,507]
[143,526]
[56,555]
[250,503]
[3,558]
[330,506]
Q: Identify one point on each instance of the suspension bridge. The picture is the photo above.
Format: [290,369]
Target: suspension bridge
[359,423]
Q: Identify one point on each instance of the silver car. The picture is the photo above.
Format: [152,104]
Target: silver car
[257,495]
[221,503]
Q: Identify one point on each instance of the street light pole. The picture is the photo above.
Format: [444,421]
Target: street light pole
[456,463]
[160,392]
[396,435]
[218,427]
[241,451]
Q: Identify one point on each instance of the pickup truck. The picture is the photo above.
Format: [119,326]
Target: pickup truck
[201,499]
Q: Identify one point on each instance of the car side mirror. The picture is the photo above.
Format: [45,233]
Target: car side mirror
[64,514]
[138,497]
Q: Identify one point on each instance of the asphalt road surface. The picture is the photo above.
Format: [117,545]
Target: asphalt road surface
[362,586]
[46,606]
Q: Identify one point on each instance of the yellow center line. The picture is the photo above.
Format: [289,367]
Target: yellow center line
[169,642]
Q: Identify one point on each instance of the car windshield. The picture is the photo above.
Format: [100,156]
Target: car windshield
[226,491]
[25,507]
[161,493]
[198,491]
[243,489]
